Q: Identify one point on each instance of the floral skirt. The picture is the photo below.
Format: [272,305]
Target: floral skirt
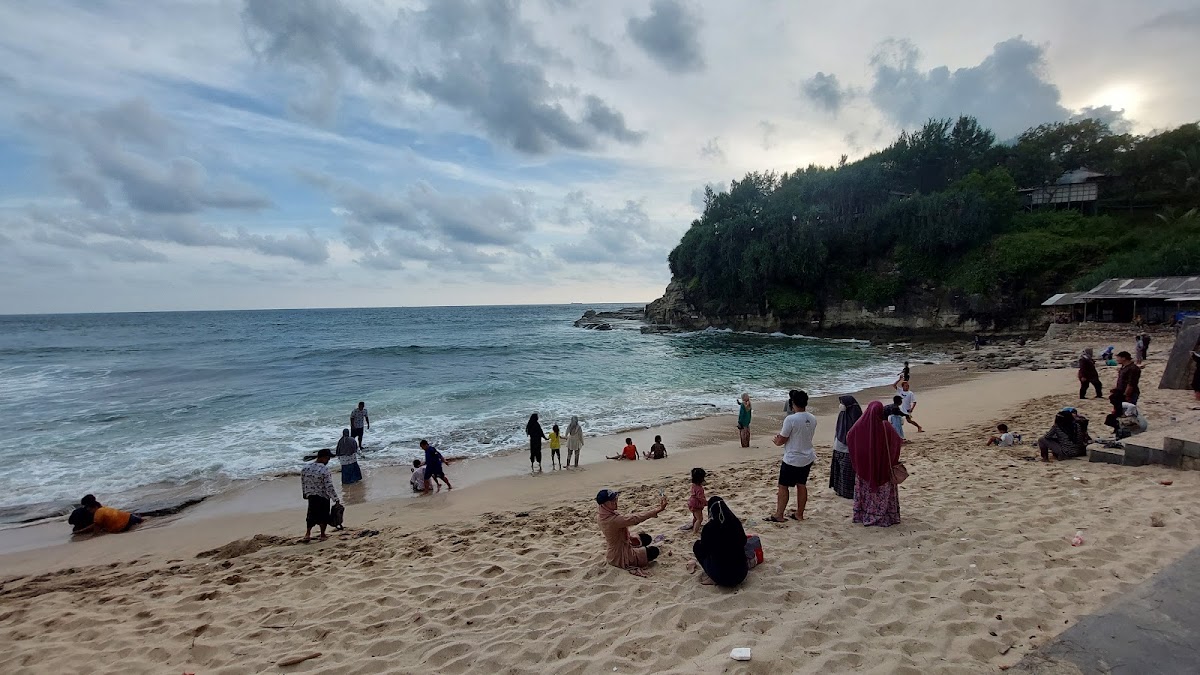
[880,507]
[841,475]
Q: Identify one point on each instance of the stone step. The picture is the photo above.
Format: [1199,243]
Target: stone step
[1175,453]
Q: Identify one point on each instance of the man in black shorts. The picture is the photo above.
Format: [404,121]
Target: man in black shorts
[359,418]
[796,437]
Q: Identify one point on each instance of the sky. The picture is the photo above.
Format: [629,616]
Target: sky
[237,154]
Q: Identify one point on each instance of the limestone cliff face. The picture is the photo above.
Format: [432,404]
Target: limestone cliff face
[921,311]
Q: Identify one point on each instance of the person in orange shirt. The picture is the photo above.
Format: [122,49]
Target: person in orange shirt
[630,451]
[106,518]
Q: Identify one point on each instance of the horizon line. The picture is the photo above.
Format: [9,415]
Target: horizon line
[301,309]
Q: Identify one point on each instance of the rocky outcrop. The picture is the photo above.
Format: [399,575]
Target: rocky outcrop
[593,320]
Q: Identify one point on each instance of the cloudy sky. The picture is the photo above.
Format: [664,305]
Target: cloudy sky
[261,153]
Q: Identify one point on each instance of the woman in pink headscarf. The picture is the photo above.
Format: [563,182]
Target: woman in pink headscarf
[874,450]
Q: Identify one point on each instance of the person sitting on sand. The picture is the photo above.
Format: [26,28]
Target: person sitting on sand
[1125,418]
[1005,439]
[626,551]
[895,414]
[574,440]
[630,451]
[658,450]
[417,481]
[316,486]
[1065,440]
[721,549]
[347,454]
[106,518]
[434,473]
[874,450]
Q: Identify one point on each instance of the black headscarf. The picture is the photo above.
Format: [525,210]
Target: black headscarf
[723,531]
[346,445]
[1066,421]
[847,418]
[533,428]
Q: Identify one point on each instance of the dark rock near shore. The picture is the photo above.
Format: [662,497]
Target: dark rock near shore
[593,320]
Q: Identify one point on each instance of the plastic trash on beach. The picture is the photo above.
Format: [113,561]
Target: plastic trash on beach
[740,654]
[1077,540]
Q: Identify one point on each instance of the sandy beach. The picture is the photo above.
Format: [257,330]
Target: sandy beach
[506,574]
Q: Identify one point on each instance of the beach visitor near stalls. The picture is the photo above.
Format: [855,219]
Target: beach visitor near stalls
[657,450]
[744,415]
[358,418]
[555,447]
[316,486]
[796,437]
[874,450]
[574,441]
[625,551]
[533,429]
[347,454]
[1088,375]
[417,480]
[1128,378]
[841,469]
[721,549]
[106,518]
[434,468]
[1067,438]
[629,452]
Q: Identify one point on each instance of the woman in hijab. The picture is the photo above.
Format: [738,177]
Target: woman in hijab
[1065,440]
[721,550]
[1088,376]
[841,472]
[874,450]
[533,429]
[347,454]
[574,441]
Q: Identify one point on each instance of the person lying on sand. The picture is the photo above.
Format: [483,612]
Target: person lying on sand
[630,452]
[626,551]
[106,518]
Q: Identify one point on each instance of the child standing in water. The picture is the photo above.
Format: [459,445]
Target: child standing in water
[555,445]
[696,502]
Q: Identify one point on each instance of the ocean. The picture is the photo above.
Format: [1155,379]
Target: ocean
[121,405]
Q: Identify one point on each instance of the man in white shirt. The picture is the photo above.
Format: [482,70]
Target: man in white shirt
[796,437]
[1006,439]
[909,404]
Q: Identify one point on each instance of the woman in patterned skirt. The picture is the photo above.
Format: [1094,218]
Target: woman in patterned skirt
[841,472]
[874,450]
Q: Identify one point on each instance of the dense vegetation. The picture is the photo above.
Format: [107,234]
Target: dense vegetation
[939,211]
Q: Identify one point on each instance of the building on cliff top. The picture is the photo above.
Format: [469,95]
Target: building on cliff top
[1078,189]
[1156,300]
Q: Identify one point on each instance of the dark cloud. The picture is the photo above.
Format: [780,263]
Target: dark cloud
[670,34]
[1181,20]
[1114,118]
[712,150]
[476,56]
[826,92]
[1007,91]
[601,57]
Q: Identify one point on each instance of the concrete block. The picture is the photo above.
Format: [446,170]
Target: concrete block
[1190,464]
[1166,457]
[1187,448]
[1106,455]
[1136,455]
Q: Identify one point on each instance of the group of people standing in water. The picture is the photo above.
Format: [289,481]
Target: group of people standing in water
[574,437]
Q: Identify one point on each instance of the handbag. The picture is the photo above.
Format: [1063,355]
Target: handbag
[899,471]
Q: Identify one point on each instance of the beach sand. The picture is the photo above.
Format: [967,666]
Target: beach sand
[507,576]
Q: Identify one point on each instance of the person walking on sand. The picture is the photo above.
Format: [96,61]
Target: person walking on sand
[627,552]
[574,441]
[316,486]
[435,472]
[1128,378]
[894,412]
[841,470]
[744,414]
[874,450]
[796,437]
[1088,375]
[358,417]
[905,392]
[533,429]
[347,454]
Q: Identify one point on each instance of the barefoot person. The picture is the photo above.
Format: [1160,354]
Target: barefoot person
[629,452]
[574,441]
[1067,439]
[434,471]
[106,518]
[316,486]
[533,429]
[744,415]
[1087,374]
[841,471]
[347,454]
[874,450]
[358,418]
[625,551]
[796,437]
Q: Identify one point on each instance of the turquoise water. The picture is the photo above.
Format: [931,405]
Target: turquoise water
[114,403]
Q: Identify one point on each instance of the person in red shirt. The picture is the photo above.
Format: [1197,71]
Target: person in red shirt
[630,452]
